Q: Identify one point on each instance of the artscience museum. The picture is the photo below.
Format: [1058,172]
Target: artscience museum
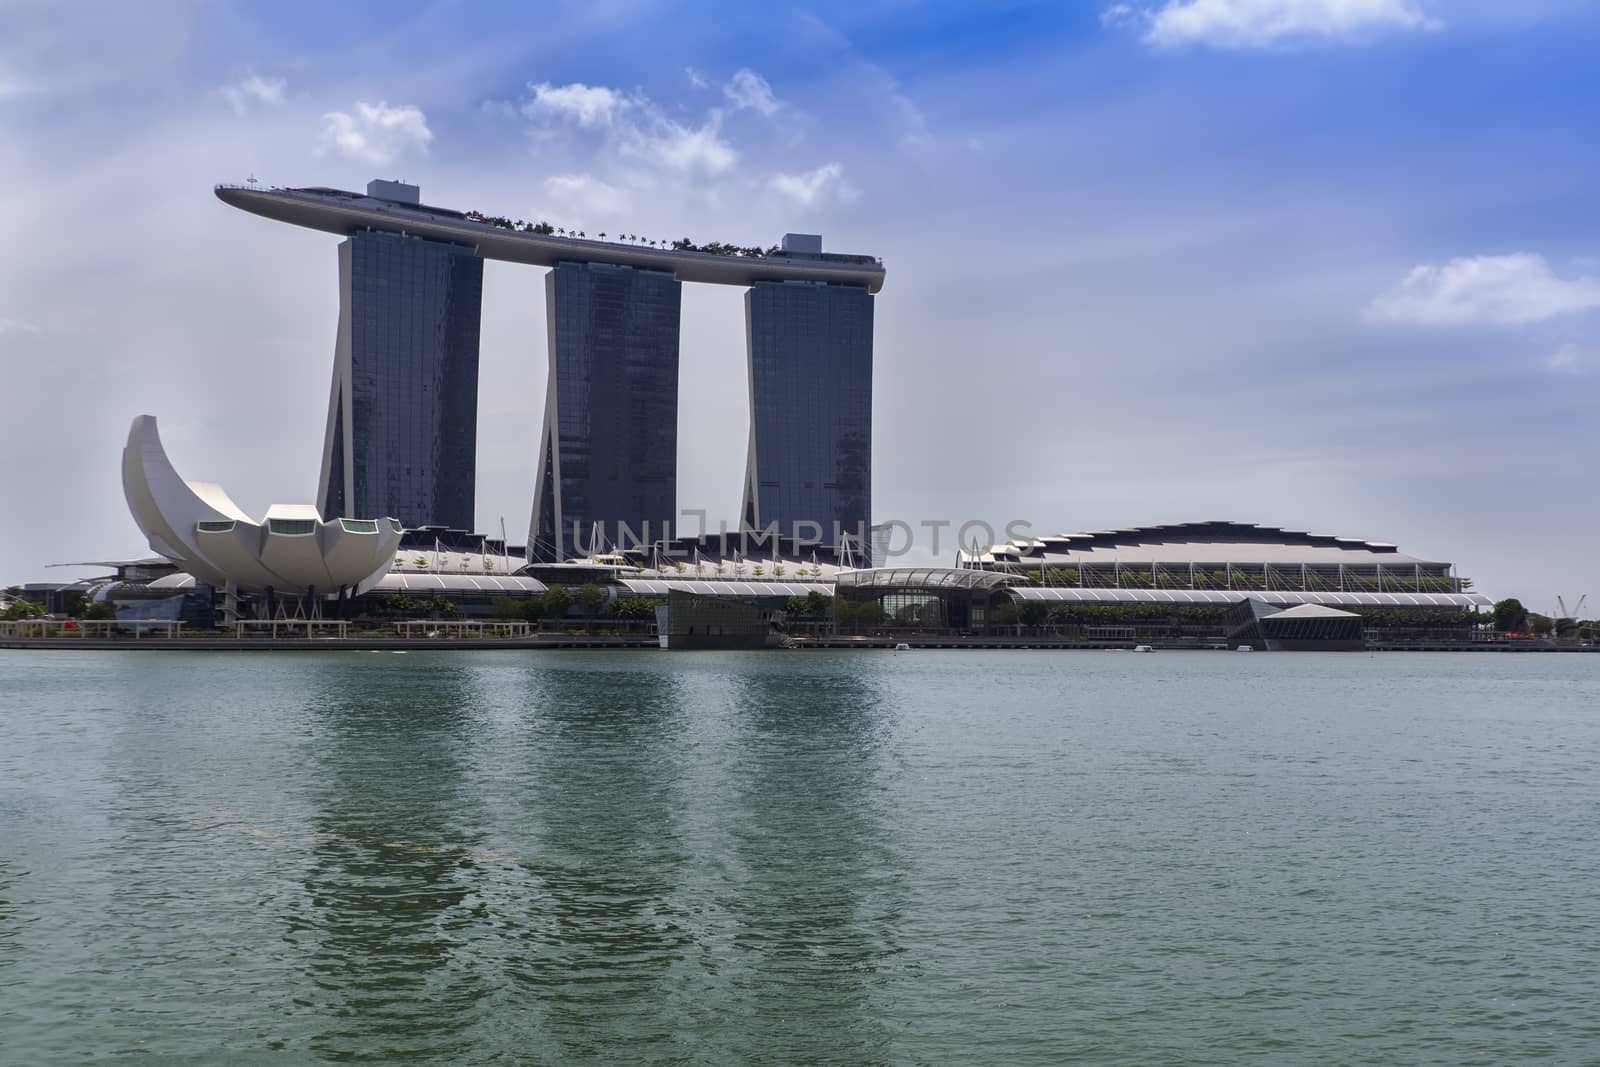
[291,553]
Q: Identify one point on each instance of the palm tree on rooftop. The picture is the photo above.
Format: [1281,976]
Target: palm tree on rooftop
[602,235]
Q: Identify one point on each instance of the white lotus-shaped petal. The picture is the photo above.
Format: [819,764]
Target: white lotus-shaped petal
[200,529]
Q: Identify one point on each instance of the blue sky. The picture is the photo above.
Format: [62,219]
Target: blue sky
[1328,264]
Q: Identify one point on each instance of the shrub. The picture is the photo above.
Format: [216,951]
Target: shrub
[636,608]
[557,601]
[591,598]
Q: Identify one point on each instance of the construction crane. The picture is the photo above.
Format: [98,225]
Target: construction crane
[1566,617]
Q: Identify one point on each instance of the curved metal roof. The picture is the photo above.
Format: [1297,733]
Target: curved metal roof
[925,578]
[143,561]
[341,212]
[1212,543]
[1058,595]
[414,581]
[663,586]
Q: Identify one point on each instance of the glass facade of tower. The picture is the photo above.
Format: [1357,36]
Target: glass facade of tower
[609,453]
[810,461]
[403,418]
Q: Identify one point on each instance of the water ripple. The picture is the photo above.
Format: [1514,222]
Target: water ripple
[988,858]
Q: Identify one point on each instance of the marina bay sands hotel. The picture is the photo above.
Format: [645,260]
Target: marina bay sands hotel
[402,432]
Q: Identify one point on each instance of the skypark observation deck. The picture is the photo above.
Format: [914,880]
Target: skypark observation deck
[341,212]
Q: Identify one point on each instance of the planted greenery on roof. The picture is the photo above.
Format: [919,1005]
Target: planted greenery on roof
[683,244]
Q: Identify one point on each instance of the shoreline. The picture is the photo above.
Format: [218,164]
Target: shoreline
[649,641]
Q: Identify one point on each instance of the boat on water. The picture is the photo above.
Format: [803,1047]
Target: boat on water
[1144,648]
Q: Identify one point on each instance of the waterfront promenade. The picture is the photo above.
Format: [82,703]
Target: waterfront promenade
[434,636]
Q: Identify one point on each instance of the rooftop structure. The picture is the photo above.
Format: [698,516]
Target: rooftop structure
[727,588]
[1214,541]
[1228,556]
[1213,597]
[342,212]
[925,578]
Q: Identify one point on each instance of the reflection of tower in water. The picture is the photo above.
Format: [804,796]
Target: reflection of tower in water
[604,799]
[814,913]
[392,879]
[578,858]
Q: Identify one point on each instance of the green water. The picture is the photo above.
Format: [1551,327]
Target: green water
[803,857]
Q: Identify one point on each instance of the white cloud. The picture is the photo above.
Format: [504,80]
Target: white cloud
[1267,23]
[16,326]
[696,79]
[377,133]
[1568,359]
[634,126]
[254,89]
[1498,289]
[1119,15]
[587,105]
[814,186]
[747,89]
[685,148]
[585,195]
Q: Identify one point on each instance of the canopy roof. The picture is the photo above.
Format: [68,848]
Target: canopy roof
[412,582]
[663,586]
[1310,611]
[420,582]
[1058,595]
[143,561]
[1212,543]
[925,578]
